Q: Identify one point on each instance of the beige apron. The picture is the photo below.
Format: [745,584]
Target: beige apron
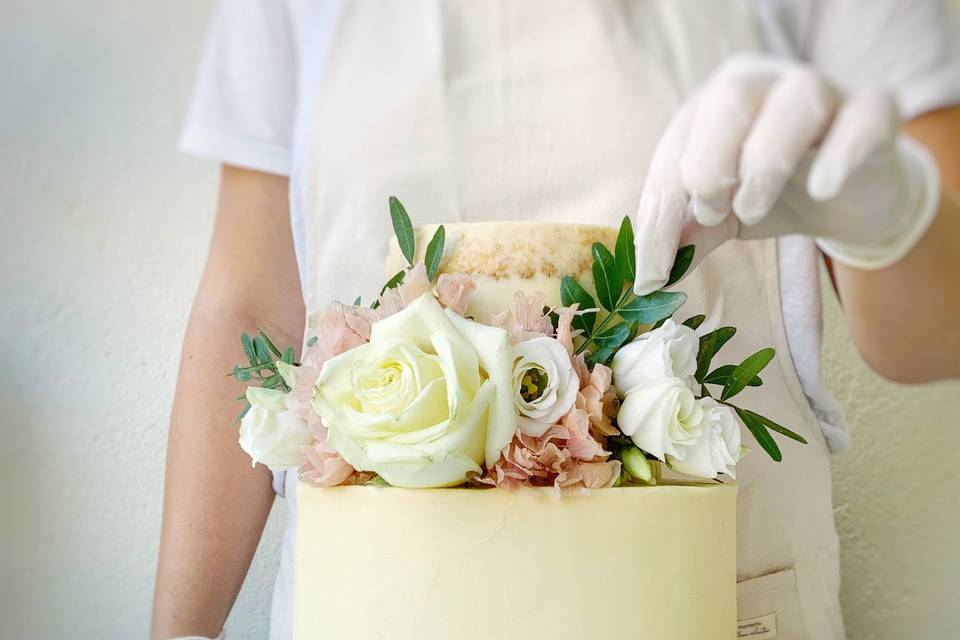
[536,110]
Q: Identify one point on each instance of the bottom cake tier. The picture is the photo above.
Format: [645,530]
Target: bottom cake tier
[462,564]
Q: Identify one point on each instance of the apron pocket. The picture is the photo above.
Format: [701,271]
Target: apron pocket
[768,607]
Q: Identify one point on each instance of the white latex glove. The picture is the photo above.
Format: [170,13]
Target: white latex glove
[768,148]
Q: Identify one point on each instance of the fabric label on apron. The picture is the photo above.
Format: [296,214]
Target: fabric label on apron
[762,628]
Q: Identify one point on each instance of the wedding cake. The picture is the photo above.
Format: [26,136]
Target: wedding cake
[508,442]
[465,564]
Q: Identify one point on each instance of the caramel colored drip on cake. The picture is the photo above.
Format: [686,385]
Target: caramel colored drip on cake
[505,250]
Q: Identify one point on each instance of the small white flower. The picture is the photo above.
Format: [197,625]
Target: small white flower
[544,384]
[270,434]
[718,449]
[662,417]
[667,352]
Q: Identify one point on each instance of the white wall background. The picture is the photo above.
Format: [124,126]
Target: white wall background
[104,229]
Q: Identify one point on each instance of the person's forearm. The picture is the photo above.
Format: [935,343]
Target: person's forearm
[903,318]
[215,503]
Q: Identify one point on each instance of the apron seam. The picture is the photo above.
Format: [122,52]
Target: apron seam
[778,331]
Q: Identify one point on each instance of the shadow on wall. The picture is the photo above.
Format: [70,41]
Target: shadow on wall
[896,497]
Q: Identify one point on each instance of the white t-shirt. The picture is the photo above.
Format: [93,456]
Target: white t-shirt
[263,59]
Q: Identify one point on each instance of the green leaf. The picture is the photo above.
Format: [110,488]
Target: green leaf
[681,263]
[248,349]
[357,301]
[243,412]
[395,281]
[773,426]
[600,356]
[262,350]
[760,434]
[721,375]
[653,307]
[273,347]
[241,374]
[312,341]
[613,337]
[625,251]
[403,229]
[658,324]
[606,277]
[745,372]
[695,321]
[571,292]
[287,356]
[434,253]
[710,344]
[273,382]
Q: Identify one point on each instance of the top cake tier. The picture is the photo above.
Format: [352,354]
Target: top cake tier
[507,257]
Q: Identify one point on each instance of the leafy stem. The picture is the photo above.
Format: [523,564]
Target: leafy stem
[614,275]
[605,322]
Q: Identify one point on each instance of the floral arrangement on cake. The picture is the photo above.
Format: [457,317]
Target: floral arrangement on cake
[410,392]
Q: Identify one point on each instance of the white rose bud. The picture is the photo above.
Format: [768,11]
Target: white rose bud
[661,417]
[636,464]
[667,352]
[270,434]
[544,384]
[718,449]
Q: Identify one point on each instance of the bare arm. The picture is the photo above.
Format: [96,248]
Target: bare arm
[903,318]
[215,504]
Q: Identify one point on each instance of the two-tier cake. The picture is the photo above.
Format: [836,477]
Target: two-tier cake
[629,561]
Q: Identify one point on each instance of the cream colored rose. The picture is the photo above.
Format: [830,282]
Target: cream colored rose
[425,402]
[718,448]
[270,434]
[667,352]
[544,384]
[662,417]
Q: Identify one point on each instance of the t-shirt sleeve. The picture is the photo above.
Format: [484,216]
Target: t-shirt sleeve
[909,47]
[244,101]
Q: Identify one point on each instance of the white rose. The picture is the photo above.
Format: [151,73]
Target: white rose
[544,384]
[662,417]
[718,449]
[424,402]
[667,352]
[270,434]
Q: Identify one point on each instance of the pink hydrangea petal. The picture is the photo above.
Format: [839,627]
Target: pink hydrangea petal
[580,367]
[601,378]
[565,332]
[325,468]
[454,290]
[337,328]
[526,320]
[415,284]
[599,475]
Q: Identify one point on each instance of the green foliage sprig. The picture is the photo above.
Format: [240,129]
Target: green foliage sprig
[613,276]
[732,379]
[262,356]
[628,314]
[407,241]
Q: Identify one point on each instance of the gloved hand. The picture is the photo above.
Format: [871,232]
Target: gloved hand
[768,148]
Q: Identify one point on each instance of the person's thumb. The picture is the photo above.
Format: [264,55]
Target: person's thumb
[656,251]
